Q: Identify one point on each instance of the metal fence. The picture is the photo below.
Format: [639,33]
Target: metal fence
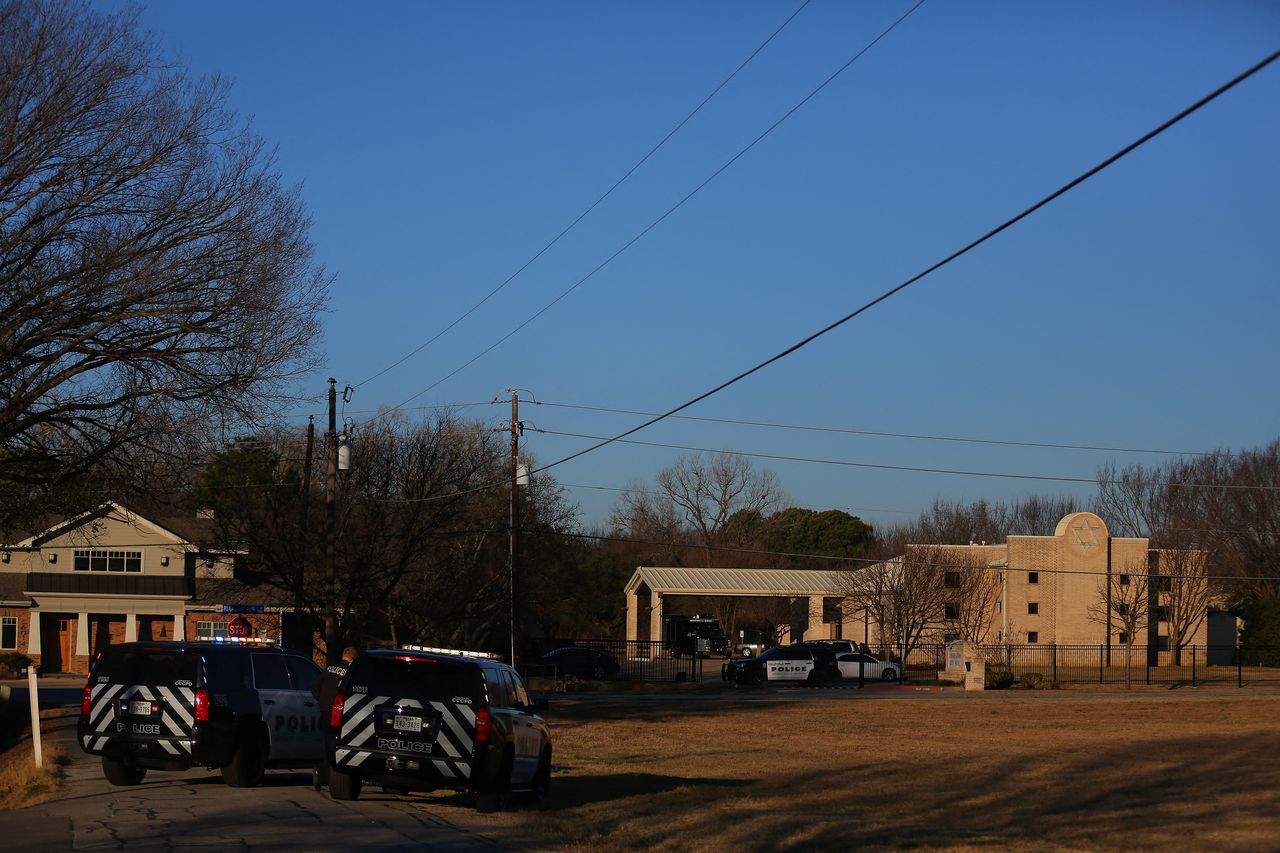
[1095,664]
[616,660]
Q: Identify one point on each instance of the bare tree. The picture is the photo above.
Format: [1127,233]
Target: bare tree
[1184,594]
[907,594]
[973,594]
[1124,601]
[154,271]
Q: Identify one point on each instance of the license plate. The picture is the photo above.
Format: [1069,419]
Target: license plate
[140,708]
[407,724]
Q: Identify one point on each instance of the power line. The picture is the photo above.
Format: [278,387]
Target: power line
[884,467]
[847,431]
[554,240]
[654,224]
[801,506]
[1009,223]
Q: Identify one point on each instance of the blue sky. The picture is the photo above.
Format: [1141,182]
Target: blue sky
[441,145]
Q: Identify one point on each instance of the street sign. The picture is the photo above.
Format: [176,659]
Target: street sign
[241,608]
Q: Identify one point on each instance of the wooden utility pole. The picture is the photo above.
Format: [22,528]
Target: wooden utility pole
[515,517]
[331,654]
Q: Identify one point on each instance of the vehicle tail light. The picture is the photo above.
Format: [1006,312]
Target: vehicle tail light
[84,700]
[202,705]
[335,712]
[482,725]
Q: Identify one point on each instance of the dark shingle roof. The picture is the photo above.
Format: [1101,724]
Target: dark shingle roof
[95,583]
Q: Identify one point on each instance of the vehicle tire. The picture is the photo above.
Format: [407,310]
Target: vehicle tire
[889,674]
[497,798]
[248,763]
[814,679]
[119,773]
[344,786]
[597,672]
[541,788]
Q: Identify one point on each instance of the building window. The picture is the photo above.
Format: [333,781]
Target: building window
[950,610]
[1124,580]
[1033,608]
[951,580]
[8,632]
[1162,644]
[1124,638]
[1033,636]
[108,561]
[211,630]
[1162,613]
[1163,583]
[1033,577]
[1122,609]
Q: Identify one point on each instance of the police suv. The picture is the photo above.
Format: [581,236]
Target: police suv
[419,720]
[798,664]
[241,707]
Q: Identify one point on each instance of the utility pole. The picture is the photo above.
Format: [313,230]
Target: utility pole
[332,655]
[516,427]
[303,639]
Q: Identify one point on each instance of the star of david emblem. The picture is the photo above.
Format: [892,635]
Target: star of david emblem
[1086,535]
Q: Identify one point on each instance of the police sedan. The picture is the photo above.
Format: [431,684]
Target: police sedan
[797,664]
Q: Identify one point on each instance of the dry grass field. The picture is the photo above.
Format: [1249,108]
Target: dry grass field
[21,782]
[1180,770]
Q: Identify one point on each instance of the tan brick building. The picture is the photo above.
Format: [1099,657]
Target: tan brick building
[112,576]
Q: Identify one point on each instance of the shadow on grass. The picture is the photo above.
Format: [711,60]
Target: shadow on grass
[571,792]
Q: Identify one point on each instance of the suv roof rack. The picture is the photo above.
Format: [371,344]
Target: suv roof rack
[459,652]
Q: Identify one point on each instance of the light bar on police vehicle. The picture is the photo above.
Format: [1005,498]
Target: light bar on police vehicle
[459,652]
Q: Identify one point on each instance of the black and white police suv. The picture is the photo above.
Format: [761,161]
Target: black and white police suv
[798,664]
[241,707]
[421,720]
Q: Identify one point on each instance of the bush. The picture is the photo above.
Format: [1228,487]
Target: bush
[999,679]
[1031,681]
[12,664]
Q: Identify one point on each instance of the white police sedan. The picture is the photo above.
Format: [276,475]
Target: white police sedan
[870,666]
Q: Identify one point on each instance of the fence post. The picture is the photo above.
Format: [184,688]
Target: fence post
[1193,665]
[1148,676]
[1239,667]
[1101,662]
[1055,662]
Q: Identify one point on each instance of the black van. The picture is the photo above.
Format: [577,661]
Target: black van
[416,720]
[241,707]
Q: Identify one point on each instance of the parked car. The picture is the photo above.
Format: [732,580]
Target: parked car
[582,662]
[797,664]
[871,667]
[240,707]
[409,720]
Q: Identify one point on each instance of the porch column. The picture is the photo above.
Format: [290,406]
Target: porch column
[633,616]
[180,626]
[131,628]
[82,635]
[814,629]
[33,632]
[655,616]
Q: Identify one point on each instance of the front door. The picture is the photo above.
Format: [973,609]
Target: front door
[55,643]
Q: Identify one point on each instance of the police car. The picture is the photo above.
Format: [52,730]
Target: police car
[240,707]
[798,664]
[411,719]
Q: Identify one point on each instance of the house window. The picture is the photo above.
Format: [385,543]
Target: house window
[108,561]
[8,632]
[1033,577]
[1033,636]
[951,610]
[1033,608]
[211,630]
[951,580]
[1124,580]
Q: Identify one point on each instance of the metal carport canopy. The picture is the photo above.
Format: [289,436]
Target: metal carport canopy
[763,582]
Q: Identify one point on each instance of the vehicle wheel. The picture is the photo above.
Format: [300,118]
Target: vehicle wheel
[542,778]
[119,773]
[248,763]
[889,674]
[344,786]
[498,797]
[598,672]
[814,679]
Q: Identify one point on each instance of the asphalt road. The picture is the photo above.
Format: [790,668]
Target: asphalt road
[196,810]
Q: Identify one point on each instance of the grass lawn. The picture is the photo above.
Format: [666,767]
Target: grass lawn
[21,782]
[1058,770]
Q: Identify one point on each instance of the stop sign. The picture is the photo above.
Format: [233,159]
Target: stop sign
[239,627]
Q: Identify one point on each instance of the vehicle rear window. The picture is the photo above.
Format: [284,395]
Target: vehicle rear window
[147,667]
[429,680]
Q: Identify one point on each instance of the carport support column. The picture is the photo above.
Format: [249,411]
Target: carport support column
[82,634]
[655,616]
[633,616]
[131,628]
[814,629]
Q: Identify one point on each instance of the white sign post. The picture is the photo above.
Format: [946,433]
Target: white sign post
[35,715]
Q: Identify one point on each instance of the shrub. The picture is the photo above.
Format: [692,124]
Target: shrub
[12,664]
[999,679]
[1031,681]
